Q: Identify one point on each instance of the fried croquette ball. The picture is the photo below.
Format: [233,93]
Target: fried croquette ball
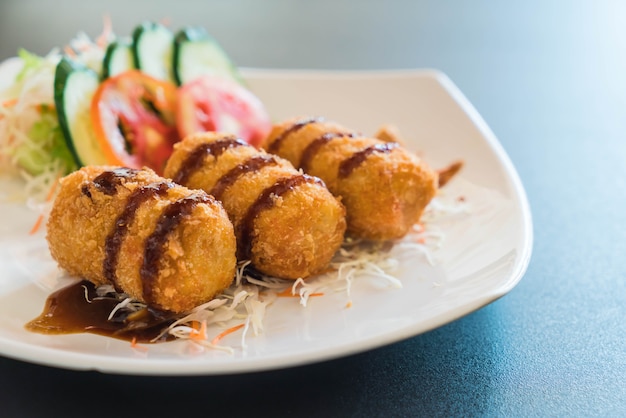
[287,223]
[384,187]
[161,243]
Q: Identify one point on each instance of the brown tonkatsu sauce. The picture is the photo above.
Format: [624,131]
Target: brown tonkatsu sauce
[349,164]
[314,147]
[115,239]
[251,165]
[78,309]
[171,217]
[446,174]
[265,201]
[275,145]
[108,181]
[85,190]
[195,159]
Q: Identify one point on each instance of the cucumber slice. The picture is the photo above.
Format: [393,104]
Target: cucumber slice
[74,87]
[198,53]
[153,49]
[117,58]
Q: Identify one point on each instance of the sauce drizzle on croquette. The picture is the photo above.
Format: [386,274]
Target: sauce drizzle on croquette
[114,240]
[169,219]
[275,145]
[196,158]
[284,244]
[314,147]
[265,201]
[348,165]
[108,181]
[249,166]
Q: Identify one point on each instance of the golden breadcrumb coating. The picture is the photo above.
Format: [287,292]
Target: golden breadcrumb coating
[159,242]
[384,187]
[292,232]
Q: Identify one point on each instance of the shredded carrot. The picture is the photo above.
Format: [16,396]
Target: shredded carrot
[198,331]
[9,102]
[421,240]
[69,51]
[349,304]
[287,293]
[225,333]
[133,344]
[37,225]
[107,29]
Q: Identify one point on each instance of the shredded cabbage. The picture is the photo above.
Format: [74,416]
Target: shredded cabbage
[251,294]
[31,142]
[29,129]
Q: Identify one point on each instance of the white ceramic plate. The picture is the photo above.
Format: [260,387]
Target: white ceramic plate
[483,256]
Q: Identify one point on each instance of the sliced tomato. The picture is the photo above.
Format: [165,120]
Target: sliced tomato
[213,103]
[133,116]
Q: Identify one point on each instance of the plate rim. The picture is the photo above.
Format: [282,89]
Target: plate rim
[62,358]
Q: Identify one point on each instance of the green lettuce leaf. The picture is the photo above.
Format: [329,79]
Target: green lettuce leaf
[31,62]
[47,145]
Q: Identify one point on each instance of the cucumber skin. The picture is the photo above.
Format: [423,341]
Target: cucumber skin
[197,34]
[110,55]
[136,42]
[89,152]
[137,32]
[63,71]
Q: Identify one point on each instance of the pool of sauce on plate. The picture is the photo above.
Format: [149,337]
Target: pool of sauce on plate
[77,309]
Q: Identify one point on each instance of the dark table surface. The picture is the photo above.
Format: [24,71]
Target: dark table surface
[550,80]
